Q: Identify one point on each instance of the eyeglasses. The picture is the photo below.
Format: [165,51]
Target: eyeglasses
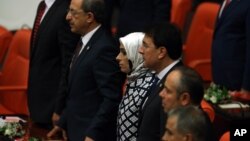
[74,12]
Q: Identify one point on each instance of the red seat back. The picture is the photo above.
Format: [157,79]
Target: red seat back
[197,50]
[208,109]
[179,12]
[225,136]
[5,38]
[14,77]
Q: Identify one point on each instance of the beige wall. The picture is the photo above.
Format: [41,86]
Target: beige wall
[16,13]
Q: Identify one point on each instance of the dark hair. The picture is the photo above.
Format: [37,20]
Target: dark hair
[192,120]
[190,81]
[97,7]
[167,35]
[130,64]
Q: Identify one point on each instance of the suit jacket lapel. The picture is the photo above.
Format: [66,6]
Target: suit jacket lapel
[85,51]
[226,13]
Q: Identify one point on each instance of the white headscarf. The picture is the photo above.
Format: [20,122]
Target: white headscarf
[132,42]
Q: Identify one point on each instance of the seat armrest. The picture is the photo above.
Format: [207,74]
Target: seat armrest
[198,63]
[13,88]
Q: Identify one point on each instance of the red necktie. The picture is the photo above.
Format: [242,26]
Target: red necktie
[227,2]
[40,12]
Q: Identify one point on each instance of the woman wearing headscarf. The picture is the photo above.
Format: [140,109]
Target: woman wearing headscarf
[139,81]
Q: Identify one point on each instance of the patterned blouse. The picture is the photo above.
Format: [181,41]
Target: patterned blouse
[130,107]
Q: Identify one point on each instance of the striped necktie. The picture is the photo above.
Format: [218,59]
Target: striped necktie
[40,12]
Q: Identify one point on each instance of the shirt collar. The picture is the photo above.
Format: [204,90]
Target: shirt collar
[87,36]
[49,3]
[166,69]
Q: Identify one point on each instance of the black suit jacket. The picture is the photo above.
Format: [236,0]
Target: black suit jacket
[50,56]
[231,47]
[135,15]
[153,118]
[95,90]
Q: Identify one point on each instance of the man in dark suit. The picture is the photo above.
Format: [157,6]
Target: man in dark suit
[52,46]
[135,15]
[95,80]
[231,48]
[161,51]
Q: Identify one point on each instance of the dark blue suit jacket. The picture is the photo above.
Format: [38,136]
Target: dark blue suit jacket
[231,47]
[95,90]
[153,118]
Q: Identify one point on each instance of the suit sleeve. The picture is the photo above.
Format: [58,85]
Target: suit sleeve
[246,82]
[109,81]
[162,10]
[67,41]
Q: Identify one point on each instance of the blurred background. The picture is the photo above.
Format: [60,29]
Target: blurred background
[16,13]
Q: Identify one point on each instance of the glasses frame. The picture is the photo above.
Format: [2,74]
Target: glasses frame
[73,12]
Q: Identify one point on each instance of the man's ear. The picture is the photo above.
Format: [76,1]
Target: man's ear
[185,99]
[163,52]
[188,137]
[91,17]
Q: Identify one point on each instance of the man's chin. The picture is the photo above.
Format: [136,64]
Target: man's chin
[166,110]
[73,30]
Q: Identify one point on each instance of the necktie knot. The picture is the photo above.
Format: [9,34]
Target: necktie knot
[40,12]
[42,5]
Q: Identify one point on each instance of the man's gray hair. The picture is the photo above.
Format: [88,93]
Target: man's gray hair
[97,7]
[191,120]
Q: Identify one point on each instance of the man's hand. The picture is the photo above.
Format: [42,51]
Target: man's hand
[88,139]
[56,130]
[55,118]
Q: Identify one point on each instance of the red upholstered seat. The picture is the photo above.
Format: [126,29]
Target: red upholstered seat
[5,38]
[179,12]
[14,75]
[225,136]
[208,109]
[197,49]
